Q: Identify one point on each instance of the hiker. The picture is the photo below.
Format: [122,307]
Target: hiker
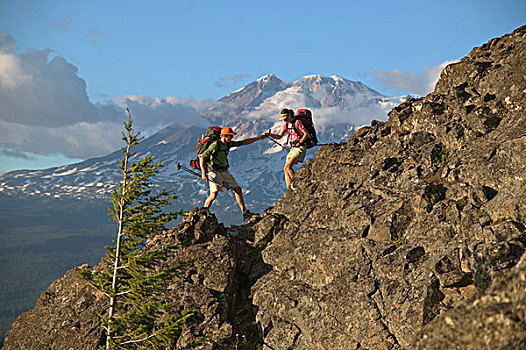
[297,134]
[216,157]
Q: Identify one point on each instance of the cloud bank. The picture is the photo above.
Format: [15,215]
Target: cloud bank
[45,109]
[420,83]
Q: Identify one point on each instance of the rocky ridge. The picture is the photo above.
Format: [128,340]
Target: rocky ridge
[217,283]
[409,219]
[410,235]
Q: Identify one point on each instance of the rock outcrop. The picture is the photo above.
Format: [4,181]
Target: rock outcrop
[410,235]
[409,219]
[496,320]
[65,317]
[217,282]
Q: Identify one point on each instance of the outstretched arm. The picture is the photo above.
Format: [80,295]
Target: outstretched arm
[277,136]
[254,139]
[281,132]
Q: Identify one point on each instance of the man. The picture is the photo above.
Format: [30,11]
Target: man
[216,158]
[297,134]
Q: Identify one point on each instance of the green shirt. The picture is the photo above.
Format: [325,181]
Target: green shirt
[216,155]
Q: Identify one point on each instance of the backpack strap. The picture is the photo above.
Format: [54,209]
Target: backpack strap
[298,132]
[219,149]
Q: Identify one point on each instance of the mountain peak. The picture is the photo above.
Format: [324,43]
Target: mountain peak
[268,77]
[335,83]
[323,77]
[256,92]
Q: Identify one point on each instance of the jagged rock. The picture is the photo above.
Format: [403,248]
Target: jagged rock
[66,315]
[411,218]
[214,281]
[197,226]
[268,227]
[497,320]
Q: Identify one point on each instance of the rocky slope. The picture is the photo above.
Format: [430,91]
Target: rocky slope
[408,219]
[218,282]
[410,235]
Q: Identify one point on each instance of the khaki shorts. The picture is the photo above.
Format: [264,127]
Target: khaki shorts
[222,177]
[297,154]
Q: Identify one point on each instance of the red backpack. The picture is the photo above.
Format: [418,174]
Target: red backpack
[211,135]
[305,116]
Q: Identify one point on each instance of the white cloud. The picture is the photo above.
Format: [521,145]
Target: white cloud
[44,108]
[38,91]
[420,83]
[153,113]
[80,140]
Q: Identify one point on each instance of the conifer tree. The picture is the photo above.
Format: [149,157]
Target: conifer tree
[132,278]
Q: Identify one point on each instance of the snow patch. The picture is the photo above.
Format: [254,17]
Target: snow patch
[69,172]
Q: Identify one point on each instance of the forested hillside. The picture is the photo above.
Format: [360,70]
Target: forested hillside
[40,238]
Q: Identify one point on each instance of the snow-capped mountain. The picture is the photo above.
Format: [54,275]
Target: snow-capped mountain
[334,102]
[318,91]
[255,93]
[339,107]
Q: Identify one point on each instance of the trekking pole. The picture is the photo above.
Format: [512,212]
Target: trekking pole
[277,143]
[182,167]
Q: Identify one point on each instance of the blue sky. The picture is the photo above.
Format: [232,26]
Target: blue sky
[68,62]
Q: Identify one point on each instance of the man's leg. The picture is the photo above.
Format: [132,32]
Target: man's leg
[238,193]
[227,180]
[213,189]
[210,199]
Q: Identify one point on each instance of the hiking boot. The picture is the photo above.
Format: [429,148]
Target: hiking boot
[247,214]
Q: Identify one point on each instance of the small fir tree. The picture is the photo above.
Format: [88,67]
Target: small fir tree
[132,278]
